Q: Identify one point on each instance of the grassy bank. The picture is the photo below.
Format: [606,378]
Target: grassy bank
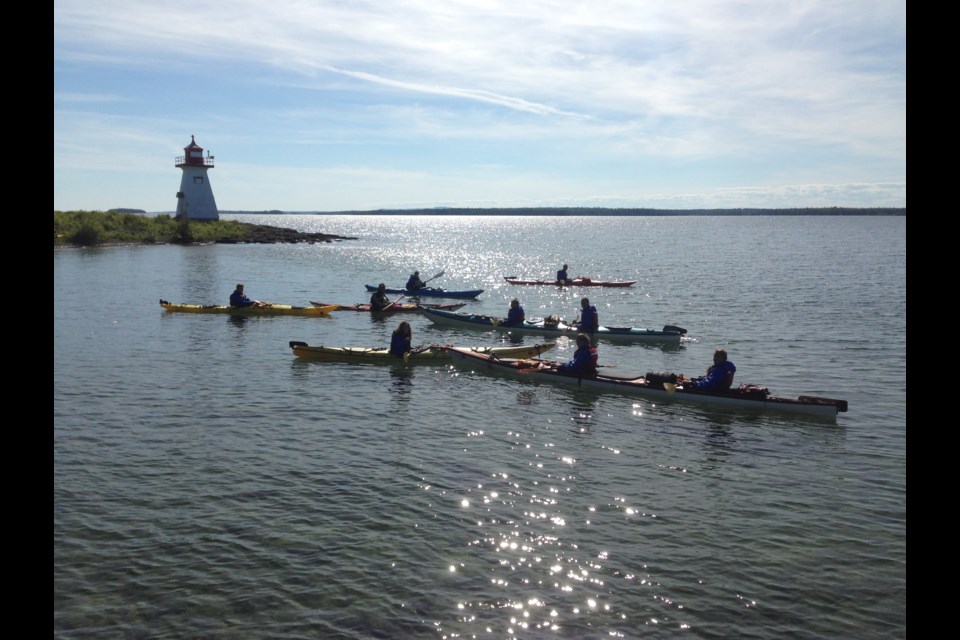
[92,228]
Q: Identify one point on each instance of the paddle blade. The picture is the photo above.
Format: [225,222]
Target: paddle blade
[434,277]
[670,387]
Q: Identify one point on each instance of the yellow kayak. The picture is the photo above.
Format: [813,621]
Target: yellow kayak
[272,310]
[433,353]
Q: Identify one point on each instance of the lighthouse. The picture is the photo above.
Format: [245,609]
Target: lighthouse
[195,198]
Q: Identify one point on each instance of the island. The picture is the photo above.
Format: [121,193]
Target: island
[98,228]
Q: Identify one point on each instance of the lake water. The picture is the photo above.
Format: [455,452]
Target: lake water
[209,484]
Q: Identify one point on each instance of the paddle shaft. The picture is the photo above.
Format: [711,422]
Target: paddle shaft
[434,277]
[399,298]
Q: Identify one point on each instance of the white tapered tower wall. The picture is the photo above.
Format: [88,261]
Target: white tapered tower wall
[195,198]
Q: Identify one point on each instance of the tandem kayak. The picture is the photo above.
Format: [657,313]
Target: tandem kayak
[435,353]
[272,310]
[665,387]
[410,307]
[668,334]
[432,292]
[573,282]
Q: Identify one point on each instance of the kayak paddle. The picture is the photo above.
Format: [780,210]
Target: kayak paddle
[399,298]
[433,278]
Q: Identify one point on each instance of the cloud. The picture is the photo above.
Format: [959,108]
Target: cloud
[751,92]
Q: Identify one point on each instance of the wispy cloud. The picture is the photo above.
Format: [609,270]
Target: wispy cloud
[658,93]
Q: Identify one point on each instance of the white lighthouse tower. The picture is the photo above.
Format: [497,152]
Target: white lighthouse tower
[195,198]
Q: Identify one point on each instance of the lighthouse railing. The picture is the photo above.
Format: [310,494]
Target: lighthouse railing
[202,162]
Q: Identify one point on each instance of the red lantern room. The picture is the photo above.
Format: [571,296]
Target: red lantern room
[193,156]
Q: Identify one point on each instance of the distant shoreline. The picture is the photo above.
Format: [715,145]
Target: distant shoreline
[133,226]
[598,211]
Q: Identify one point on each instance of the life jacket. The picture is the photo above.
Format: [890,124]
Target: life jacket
[729,370]
[398,344]
[590,313]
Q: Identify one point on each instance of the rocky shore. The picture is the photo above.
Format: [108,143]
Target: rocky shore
[264,234]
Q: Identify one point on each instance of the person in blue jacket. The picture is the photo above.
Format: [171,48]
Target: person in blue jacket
[562,275]
[515,315]
[239,299]
[589,318]
[400,339]
[414,282]
[719,376]
[585,358]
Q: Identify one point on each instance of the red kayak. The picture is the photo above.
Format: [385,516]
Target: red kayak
[396,307]
[574,282]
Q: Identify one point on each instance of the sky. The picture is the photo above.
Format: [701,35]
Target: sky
[359,105]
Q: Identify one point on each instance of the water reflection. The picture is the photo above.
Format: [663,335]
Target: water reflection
[667,347]
[719,440]
[581,411]
[527,398]
[514,338]
[382,319]
[401,382]
[237,321]
[301,368]
[199,268]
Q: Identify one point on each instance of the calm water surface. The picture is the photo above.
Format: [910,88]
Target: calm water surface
[208,484]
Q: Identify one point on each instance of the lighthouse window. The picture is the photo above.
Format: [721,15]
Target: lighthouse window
[197,179]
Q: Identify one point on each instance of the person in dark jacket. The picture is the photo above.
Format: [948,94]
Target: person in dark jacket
[719,376]
[414,282]
[400,339]
[585,359]
[515,315]
[379,300]
[562,275]
[589,318]
[239,299]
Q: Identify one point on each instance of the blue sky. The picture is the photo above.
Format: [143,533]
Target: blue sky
[332,105]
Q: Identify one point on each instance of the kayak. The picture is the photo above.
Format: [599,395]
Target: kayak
[668,334]
[432,292]
[435,353]
[575,282]
[272,310]
[396,307]
[665,387]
